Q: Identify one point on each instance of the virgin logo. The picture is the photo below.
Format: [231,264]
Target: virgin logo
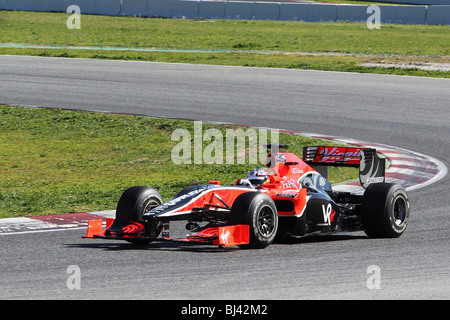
[340,151]
[224,236]
[328,214]
[332,154]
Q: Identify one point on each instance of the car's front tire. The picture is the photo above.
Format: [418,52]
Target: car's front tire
[259,212]
[133,203]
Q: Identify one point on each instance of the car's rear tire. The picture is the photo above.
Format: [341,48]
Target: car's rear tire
[259,212]
[385,210]
[134,202]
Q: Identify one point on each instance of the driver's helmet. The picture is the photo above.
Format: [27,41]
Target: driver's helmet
[257,177]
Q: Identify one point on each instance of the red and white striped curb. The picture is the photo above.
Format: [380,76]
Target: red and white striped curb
[410,169]
[55,222]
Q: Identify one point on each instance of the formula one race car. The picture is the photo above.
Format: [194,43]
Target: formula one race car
[290,198]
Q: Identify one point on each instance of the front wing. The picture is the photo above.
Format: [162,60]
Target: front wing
[231,235]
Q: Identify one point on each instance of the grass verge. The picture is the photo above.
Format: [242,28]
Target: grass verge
[339,46]
[58,161]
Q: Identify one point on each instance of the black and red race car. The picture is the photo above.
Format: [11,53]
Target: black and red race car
[292,198]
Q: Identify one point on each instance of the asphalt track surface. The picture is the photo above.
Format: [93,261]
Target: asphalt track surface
[408,112]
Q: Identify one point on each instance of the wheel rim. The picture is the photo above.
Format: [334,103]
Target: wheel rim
[151,205]
[399,211]
[266,221]
[156,228]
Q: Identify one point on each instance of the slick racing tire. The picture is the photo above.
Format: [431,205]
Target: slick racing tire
[134,202]
[385,210]
[259,212]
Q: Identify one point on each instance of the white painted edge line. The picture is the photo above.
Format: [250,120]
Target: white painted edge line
[30,225]
[442,173]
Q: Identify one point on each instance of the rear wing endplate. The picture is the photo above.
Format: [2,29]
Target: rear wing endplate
[371,166]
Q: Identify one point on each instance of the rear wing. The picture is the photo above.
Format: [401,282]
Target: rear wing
[371,166]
